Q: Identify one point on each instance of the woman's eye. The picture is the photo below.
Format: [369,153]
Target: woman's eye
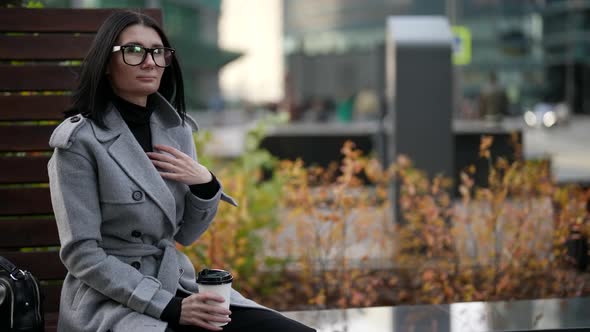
[134,49]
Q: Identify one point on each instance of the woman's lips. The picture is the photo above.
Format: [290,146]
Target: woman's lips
[146,78]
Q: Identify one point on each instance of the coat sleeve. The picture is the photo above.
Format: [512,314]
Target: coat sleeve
[198,212]
[75,199]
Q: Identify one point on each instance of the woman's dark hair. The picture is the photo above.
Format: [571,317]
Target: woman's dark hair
[93,92]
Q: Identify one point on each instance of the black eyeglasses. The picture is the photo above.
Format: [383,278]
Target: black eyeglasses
[134,55]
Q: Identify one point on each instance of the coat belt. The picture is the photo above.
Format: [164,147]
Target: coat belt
[168,273]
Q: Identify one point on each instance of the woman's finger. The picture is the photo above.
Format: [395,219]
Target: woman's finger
[218,318]
[202,314]
[162,157]
[171,176]
[201,310]
[166,166]
[173,151]
[209,296]
[215,309]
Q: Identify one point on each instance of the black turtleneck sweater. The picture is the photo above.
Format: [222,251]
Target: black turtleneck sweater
[137,119]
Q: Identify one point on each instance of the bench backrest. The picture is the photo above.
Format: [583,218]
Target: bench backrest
[40,50]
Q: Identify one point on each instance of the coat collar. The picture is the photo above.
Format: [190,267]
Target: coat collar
[164,114]
[129,155]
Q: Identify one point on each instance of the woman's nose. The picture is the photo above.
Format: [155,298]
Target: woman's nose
[148,62]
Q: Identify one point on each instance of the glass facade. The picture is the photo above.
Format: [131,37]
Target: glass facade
[536,48]
[506,41]
[567,52]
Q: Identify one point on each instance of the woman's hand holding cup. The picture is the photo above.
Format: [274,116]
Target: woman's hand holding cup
[200,310]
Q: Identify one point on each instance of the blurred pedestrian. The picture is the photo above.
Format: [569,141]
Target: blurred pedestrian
[493,101]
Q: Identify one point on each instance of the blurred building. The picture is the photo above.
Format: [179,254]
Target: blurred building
[192,26]
[334,49]
[566,46]
[255,28]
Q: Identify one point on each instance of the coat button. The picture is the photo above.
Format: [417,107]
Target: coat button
[136,234]
[137,195]
[136,265]
[75,119]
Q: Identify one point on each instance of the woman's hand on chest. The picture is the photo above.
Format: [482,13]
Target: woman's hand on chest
[179,166]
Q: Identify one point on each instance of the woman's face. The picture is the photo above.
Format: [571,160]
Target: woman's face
[135,83]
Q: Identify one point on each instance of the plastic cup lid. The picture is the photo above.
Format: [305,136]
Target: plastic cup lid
[214,277]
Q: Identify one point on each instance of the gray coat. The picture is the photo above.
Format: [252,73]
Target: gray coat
[118,222]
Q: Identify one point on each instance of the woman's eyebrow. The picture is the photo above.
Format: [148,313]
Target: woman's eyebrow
[141,44]
[132,42]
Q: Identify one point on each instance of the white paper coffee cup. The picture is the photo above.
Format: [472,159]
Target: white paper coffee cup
[218,282]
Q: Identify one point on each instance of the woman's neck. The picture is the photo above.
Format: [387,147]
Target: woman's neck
[137,100]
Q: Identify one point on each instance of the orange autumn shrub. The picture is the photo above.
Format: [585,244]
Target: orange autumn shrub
[307,237]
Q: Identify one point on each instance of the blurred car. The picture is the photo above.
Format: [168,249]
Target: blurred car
[547,115]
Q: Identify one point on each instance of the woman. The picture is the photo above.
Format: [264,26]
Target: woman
[126,185]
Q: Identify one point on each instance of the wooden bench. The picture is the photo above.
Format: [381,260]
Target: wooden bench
[35,81]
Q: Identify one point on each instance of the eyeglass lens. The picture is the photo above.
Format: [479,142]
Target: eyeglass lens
[134,55]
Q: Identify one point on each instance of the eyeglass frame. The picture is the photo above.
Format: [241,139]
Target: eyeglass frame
[150,50]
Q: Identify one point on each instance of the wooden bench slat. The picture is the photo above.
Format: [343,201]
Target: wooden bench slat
[25,201]
[59,19]
[52,294]
[25,138]
[51,320]
[31,169]
[45,47]
[44,265]
[18,233]
[18,108]
[38,77]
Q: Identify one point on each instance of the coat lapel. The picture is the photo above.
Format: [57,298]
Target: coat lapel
[160,129]
[129,155]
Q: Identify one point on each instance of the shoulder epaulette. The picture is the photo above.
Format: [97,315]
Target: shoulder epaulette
[191,122]
[61,137]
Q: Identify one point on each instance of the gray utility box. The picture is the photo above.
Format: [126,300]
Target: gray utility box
[419,90]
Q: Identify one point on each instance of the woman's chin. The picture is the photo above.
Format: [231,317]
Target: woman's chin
[147,91]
